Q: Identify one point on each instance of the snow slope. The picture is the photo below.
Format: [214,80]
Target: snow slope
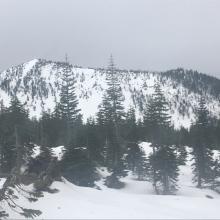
[37,84]
[136,201]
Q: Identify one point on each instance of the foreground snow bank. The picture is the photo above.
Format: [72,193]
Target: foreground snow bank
[136,200]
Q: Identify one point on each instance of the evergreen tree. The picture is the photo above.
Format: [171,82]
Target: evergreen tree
[77,165]
[137,161]
[93,142]
[130,128]
[15,129]
[78,168]
[114,93]
[136,158]
[164,164]
[111,114]
[17,150]
[157,118]
[68,106]
[150,121]
[202,151]
[163,161]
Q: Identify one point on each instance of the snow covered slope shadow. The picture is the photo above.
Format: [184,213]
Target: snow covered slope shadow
[37,83]
[136,201]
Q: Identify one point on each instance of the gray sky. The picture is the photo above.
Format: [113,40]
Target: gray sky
[141,34]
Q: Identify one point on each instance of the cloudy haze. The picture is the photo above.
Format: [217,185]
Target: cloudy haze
[141,34]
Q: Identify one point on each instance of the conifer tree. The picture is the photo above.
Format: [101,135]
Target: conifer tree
[17,137]
[106,129]
[136,158]
[15,133]
[130,126]
[112,114]
[19,113]
[76,164]
[68,100]
[93,141]
[163,161]
[113,111]
[156,117]
[137,161]
[202,153]
[68,105]
[150,121]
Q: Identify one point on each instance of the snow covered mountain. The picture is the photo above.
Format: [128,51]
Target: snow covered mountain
[37,84]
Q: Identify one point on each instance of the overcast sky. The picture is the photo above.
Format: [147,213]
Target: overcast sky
[141,34]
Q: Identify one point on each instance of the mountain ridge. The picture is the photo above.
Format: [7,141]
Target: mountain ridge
[38,82]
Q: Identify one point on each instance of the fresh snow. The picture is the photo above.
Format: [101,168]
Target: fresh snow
[58,152]
[2,181]
[146,148]
[136,201]
[36,151]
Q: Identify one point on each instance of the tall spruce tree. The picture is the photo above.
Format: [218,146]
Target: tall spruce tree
[15,132]
[163,161]
[76,165]
[111,113]
[202,151]
[21,133]
[156,117]
[68,105]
